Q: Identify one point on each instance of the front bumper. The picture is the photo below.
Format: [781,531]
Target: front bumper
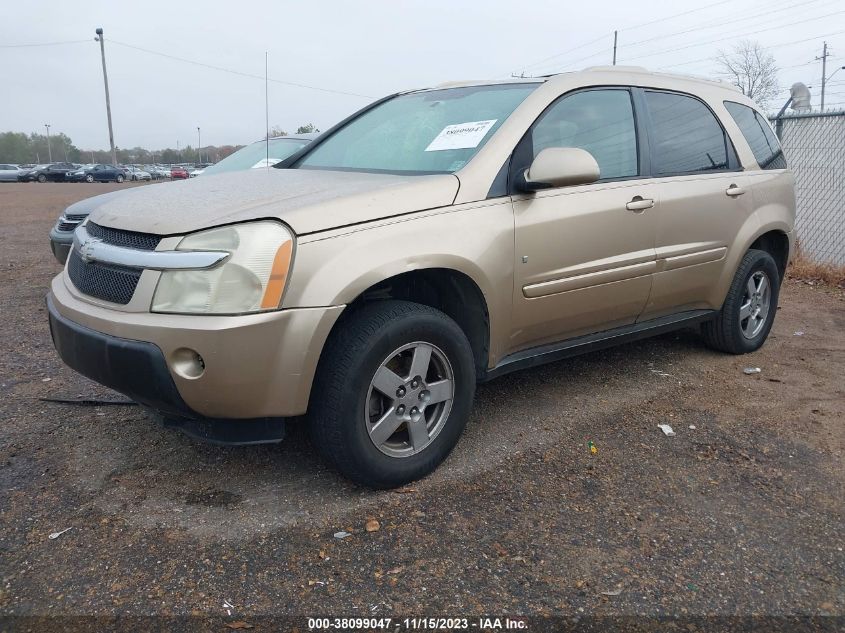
[255,366]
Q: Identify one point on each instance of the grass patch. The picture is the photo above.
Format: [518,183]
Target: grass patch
[804,269]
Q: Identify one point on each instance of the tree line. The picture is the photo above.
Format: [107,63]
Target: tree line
[21,148]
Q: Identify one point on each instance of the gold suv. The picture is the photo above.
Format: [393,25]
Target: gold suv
[435,239]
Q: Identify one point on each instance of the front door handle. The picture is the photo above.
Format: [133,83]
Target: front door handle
[734,191]
[638,203]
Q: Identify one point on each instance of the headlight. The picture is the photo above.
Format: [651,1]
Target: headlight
[251,279]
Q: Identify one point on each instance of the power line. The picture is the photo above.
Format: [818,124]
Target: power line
[677,15]
[238,72]
[607,35]
[706,42]
[44,44]
[801,41]
[719,23]
[566,52]
[728,37]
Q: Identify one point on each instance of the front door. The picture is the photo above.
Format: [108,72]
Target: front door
[584,254]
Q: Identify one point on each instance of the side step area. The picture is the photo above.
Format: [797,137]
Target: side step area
[600,340]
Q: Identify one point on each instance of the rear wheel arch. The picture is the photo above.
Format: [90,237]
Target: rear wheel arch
[776,244]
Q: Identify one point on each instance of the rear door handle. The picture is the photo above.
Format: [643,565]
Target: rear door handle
[734,191]
[638,203]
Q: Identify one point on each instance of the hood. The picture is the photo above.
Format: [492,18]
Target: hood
[306,200]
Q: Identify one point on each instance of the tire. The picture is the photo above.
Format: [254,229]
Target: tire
[345,401]
[731,333]
[42,178]
[119,178]
[89,178]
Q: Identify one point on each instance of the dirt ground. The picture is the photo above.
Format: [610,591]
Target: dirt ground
[740,513]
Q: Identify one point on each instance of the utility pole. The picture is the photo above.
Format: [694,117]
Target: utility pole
[101,39]
[49,151]
[199,147]
[824,57]
[615,35]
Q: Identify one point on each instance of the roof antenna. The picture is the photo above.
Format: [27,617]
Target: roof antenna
[266,112]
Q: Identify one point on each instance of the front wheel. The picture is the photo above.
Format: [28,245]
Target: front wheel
[392,394]
[747,316]
[89,178]
[119,178]
[42,178]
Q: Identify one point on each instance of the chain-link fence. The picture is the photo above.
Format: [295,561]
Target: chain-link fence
[814,145]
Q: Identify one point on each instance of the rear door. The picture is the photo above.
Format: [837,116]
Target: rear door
[704,200]
[585,253]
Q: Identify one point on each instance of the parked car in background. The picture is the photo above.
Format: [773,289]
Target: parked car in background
[179,173]
[98,173]
[61,235]
[54,172]
[251,156]
[9,173]
[136,173]
[196,172]
[25,172]
[442,237]
[156,172]
[254,155]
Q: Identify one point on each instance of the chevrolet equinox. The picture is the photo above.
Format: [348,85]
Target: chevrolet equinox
[435,239]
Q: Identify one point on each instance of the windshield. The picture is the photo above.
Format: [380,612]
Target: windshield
[255,155]
[431,132]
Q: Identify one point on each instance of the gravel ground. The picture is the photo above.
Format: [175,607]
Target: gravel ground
[739,514]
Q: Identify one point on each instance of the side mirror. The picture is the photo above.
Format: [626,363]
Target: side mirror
[559,167]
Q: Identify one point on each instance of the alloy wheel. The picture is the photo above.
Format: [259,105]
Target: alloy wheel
[409,399]
[755,305]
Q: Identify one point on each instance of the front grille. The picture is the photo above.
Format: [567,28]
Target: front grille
[104,281]
[127,239]
[67,224]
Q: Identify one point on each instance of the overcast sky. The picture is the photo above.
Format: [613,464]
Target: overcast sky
[367,48]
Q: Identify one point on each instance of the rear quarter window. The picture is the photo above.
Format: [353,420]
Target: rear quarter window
[758,134]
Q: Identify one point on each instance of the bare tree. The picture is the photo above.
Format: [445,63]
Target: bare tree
[752,69]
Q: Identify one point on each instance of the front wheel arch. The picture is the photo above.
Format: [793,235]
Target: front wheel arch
[450,291]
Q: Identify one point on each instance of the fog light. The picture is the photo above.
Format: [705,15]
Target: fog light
[187,363]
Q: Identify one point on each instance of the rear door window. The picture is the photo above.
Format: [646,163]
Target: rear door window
[759,135]
[685,135]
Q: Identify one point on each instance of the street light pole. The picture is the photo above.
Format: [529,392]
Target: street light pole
[199,146]
[49,151]
[101,39]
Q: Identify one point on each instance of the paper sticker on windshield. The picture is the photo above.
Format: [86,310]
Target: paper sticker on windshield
[461,135]
[265,162]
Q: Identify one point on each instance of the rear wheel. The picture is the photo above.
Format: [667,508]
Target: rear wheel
[392,394]
[746,318]
[119,178]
